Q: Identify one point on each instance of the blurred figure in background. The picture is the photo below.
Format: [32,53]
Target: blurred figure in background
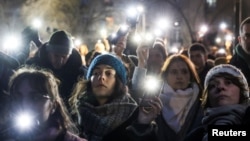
[198,55]
[118,45]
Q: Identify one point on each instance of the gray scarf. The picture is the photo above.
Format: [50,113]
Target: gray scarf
[98,121]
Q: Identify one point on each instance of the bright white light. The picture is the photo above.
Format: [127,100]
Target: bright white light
[151,83]
[176,23]
[149,37]
[78,42]
[174,50]
[162,23]
[223,26]
[113,35]
[131,12]
[228,37]
[103,32]
[221,51]
[158,32]
[24,121]
[11,42]
[203,29]
[37,23]
[218,40]
[137,38]
[140,8]
[124,28]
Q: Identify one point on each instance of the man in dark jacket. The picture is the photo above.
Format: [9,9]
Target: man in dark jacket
[62,59]
[241,57]
[198,55]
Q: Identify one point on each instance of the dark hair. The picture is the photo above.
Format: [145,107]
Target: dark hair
[245,21]
[235,80]
[83,87]
[197,47]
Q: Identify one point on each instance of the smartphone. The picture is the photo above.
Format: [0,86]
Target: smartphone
[151,91]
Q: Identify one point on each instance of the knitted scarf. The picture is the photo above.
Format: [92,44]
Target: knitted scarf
[176,105]
[243,55]
[98,121]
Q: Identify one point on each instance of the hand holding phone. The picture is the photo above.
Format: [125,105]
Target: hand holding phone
[152,88]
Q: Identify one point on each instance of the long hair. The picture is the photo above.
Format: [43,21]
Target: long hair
[44,81]
[179,57]
[83,88]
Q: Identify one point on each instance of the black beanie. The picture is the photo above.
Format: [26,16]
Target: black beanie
[60,42]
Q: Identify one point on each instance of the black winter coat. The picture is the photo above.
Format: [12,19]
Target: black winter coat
[68,74]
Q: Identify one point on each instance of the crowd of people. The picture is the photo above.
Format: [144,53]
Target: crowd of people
[62,93]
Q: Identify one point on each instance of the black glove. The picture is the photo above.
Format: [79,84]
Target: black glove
[224,115]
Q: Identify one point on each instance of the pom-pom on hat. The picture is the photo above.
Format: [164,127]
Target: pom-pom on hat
[230,69]
[60,42]
[111,60]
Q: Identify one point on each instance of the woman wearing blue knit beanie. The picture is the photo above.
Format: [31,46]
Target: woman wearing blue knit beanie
[105,110]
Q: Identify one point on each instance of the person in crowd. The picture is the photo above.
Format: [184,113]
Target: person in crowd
[119,44]
[150,62]
[180,96]
[241,55]
[225,98]
[59,55]
[198,54]
[105,109]
[36,110]
[28,35]
[7,66]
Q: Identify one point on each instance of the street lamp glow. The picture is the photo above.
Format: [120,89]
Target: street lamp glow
[37,23]
[223,26]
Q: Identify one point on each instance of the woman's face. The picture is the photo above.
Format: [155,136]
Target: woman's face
[222,92]
[29,99]
[103,81]
[178,75]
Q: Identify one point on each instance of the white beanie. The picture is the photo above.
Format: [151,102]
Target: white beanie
[230,69]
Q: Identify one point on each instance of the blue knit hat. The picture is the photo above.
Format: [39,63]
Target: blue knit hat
[111,60]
